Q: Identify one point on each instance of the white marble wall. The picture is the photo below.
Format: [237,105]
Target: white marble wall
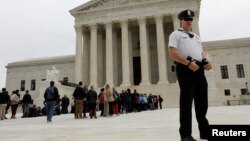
[36,72]
[230,53]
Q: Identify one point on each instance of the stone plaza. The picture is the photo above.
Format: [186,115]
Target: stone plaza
[159,125]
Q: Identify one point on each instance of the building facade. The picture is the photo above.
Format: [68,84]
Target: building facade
[124,43]
[231,63]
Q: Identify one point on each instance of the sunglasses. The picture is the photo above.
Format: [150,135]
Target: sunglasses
[188,19]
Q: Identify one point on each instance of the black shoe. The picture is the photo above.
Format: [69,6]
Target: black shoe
[190,138]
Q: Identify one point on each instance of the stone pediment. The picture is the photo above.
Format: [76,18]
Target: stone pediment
[102,4]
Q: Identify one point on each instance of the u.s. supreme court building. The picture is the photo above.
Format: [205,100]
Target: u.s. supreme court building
[124,43]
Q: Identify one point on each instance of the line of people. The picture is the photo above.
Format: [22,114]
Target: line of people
[13,101]
[110,102]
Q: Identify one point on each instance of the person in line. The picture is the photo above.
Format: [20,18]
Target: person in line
[51,95]
[65,105]
[92,99]
[101,101]
[85,90]
[14,102]
[160,101]
[4,99]
[186,50]
[26,101]
[78,96]
[108,99]
[115,104]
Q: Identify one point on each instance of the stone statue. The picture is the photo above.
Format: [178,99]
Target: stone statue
[52,74]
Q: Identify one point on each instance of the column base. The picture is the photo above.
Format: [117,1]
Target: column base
[145,83]
[125,84]
[162,82]
[95,85]
[110,84]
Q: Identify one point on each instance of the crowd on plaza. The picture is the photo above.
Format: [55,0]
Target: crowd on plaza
[13,101]
[109,102]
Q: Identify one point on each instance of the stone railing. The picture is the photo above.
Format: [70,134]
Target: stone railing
[238,102]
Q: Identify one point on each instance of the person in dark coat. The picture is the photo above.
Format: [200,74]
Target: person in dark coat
[65,104]
[4,99]
[160,101]
[78,96]
[26,103]
[91,99]
[85,105]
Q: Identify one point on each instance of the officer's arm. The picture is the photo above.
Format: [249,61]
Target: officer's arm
[176,56]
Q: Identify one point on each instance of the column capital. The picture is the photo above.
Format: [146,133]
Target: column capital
[78,28]
[108,24]
[175,20]
[142,20]
[158,18]
[93,26]
[174,15]
[124,22]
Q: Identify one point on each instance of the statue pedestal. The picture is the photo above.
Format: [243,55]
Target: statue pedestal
[62,90]
[52,75]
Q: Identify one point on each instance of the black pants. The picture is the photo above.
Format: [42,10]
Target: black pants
[92,110]
[193,87]
[101,108]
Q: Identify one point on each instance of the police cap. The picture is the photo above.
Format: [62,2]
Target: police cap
[186,14]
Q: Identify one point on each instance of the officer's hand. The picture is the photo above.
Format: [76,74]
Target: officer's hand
[208,67]
[193,66]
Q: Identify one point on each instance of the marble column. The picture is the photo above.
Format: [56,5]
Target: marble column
[176,24]
[144,52]
[85,58]
[176,21]
[79,54]
[195,24]
[126,81]
[161,50]
[109,54]
[93,55]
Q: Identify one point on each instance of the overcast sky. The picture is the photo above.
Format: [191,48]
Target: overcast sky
[42,28]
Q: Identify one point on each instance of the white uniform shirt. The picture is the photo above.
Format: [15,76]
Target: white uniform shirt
[185,45]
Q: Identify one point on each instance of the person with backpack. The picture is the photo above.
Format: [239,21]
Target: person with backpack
[50,96]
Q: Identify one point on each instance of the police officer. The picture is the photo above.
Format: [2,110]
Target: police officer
[186,50]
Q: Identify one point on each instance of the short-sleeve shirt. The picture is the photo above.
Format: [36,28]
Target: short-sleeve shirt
[185,45]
